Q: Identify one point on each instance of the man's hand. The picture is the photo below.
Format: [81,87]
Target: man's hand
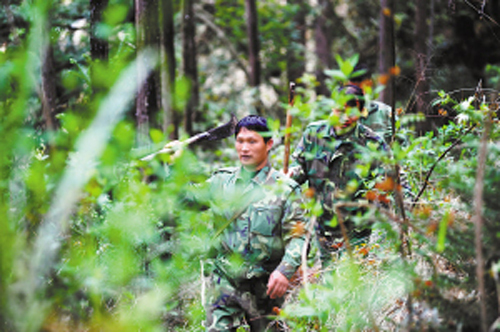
[277,285]
[175,147]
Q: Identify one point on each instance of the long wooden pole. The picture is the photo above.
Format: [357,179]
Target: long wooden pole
[291,99]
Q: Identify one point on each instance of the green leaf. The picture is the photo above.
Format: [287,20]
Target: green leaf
[156,135]
[443,226]
[336,74]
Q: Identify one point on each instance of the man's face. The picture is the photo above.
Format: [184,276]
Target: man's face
[252,150]
[346,117]
[348,113]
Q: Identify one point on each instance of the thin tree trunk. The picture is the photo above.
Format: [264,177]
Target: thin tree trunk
[296,49]
[432,19]
[99,47]
[49,95]
[147,28]
[478,221]
[141,107]
[253,42]
[323,42]
[190,65]
[171,119]
[387,49]
[253,48]
[422,82]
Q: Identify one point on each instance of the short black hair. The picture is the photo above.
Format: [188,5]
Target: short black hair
[357,92]
[362,73]
[253,122]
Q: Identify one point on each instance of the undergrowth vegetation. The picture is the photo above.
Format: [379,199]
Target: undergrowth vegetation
[107,242]
[94,239]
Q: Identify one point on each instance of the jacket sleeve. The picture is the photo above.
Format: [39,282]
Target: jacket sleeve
[298,167]
[295,227]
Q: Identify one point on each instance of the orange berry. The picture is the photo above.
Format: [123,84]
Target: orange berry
[309,192]
[383,79]
[366,83]
[364,251]
[371,195]
[386,11]
[387,185]
[383,199]
[395,71]
[337,245]
[442,112]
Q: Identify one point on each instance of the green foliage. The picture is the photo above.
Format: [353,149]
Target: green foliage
[439,224]
[346,69]
[93,239]
[353,297]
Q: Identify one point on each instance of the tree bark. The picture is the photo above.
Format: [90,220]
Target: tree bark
[432,19]
[387,49]
[146,19]
[323,42]
[296,48]
[253,49]
[49,94]
[477,219]
[171,121]
[99,47]
[253,42]
[421,60]
[190,65]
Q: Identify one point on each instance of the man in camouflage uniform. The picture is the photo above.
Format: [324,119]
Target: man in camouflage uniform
[378,115]
[326,157]
[378,119]
[261,228]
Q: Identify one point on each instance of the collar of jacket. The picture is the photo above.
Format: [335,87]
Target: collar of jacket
[328,131]
[259,178]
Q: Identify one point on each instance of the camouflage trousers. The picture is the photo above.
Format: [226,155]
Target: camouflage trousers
[233,304]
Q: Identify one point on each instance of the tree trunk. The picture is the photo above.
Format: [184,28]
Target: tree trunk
[421,61]
[323,42]
[190,65]
[296,48]
[387,49]
[171,119]
[146,19]
[49,95]
[253,48]
[432,19]
[99,47]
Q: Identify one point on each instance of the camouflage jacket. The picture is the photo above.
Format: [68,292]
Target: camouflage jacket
[328,163]
[269,232]
[379,119]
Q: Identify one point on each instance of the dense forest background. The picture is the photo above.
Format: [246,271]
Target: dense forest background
[95,239]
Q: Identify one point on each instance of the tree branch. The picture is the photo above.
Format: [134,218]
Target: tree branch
[205,17]
[426,181]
